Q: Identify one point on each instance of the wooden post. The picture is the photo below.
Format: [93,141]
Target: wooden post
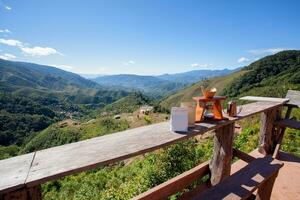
[32,193]
[265,190]
[267,138]
[220,164]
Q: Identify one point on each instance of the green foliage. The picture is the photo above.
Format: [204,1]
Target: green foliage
[148,119]
[247,141]
[8,151]
[102,126]
[57,134]
[52,136]
[270,76]
[34,96]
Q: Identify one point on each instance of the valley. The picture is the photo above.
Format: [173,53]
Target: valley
[36,115]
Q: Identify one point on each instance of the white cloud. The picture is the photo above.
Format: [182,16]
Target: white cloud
[4,31]
[30,51]
[194,65]
[203,66]
[11,42]
[266,51]
[130,62]
[7,7]
[7,56]
[64,67]
[39,51]
[242,59]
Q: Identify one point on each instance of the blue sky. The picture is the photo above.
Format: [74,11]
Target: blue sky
[146,37]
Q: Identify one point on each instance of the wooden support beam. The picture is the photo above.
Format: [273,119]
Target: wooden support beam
[289,123]
[220,164]
[53,163]
[243,156]
[176,184]
[25,193]
[265,190]
[267,140]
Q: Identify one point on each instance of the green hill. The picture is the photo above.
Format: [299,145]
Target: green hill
[127,104]
[34,96]
[21,74]
[270,76]
[188,93]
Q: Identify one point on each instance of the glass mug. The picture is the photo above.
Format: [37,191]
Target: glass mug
[191,107]
[232,110]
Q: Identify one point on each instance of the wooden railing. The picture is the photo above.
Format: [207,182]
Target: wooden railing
[21,176]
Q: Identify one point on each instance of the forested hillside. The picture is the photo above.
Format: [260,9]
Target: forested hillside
[150,85]
[21,74]
[126,179]
[270,76]
[32,97]
[161,85]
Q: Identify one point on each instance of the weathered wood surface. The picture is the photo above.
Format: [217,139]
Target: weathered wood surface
[265,190]
[294,97]
[243,183]
[283,124]
[271,99]
[56,162]
[268,134]
[24,193]
[14,171]
[176,184]
[243,156]
[220,163]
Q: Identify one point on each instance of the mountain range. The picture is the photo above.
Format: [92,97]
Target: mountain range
[270,76]
[161,85]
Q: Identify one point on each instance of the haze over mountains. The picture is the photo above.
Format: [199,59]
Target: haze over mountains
[34,96]
[161,85]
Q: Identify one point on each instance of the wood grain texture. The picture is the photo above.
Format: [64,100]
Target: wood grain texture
[265,190]
[243,156]
[220,163]
[56,162]
[288,123]
[176,184]
[243,183]
[14,171]
[24,193]
[267,139]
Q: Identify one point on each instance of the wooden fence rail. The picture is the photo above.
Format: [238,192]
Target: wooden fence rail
[22,173]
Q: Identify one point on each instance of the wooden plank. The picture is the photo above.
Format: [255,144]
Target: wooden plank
[14,171]
[271,99]
[220,163]
[265,190]
[176,184]
[288,123]
[24,193]
[56,162]
[294,97]
[243,183]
